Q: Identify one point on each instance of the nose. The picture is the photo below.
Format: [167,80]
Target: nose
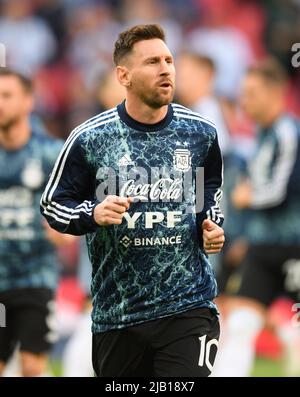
[165,68]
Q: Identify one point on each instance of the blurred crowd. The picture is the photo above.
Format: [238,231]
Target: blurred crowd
[66,47]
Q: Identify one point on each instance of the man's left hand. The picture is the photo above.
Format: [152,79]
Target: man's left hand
[241,197]
[213,237]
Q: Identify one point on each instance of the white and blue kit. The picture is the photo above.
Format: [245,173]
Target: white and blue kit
[153,264]
[272,265]
[27,259]
[28,263]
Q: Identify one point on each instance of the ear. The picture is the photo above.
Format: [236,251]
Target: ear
[123,76]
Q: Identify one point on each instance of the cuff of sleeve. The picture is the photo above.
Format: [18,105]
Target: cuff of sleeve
[94,224]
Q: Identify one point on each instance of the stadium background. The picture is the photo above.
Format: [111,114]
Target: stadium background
[65,46]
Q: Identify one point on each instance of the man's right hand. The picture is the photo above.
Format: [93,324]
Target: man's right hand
[111,210]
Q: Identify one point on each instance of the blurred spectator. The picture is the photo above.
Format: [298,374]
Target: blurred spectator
[227,46]
[282,29]
[153,11]
[246,16]
[54,85]
[28,39]
[186,13]
[93,31]
[54,13]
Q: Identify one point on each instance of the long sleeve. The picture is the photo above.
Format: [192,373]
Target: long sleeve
[69,200]
[271,191]
[213,178]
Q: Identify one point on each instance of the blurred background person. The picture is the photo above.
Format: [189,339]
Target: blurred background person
[28,271]
[271,190]
[28,40]
[92,33]
[221,41]
[146,11]
[195,89]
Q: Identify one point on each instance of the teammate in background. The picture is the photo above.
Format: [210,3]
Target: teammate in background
[195,89]
[271,190]
[153,286]
[27,260]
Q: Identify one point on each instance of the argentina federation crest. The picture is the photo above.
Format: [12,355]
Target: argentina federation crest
[182,159]
[32,175]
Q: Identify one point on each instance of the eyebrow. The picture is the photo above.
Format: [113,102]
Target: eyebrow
[157,58]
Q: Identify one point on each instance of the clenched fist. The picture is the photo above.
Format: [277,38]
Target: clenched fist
[213,237]
[111,210]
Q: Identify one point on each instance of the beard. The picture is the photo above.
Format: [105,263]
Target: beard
[154,99]
[7,123]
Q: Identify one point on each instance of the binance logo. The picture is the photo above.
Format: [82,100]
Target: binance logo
[126,241]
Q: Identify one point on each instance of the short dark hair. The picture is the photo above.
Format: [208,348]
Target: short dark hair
[24,80]
[129,37]
[270,70]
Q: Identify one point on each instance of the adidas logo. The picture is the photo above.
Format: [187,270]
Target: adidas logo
[125,160]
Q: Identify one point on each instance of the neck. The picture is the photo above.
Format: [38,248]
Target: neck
[143,113]
[15,136]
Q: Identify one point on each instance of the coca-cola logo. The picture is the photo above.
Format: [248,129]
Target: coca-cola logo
[163,189]
[153,185]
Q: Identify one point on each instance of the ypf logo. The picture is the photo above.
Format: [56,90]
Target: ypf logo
[2,55]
